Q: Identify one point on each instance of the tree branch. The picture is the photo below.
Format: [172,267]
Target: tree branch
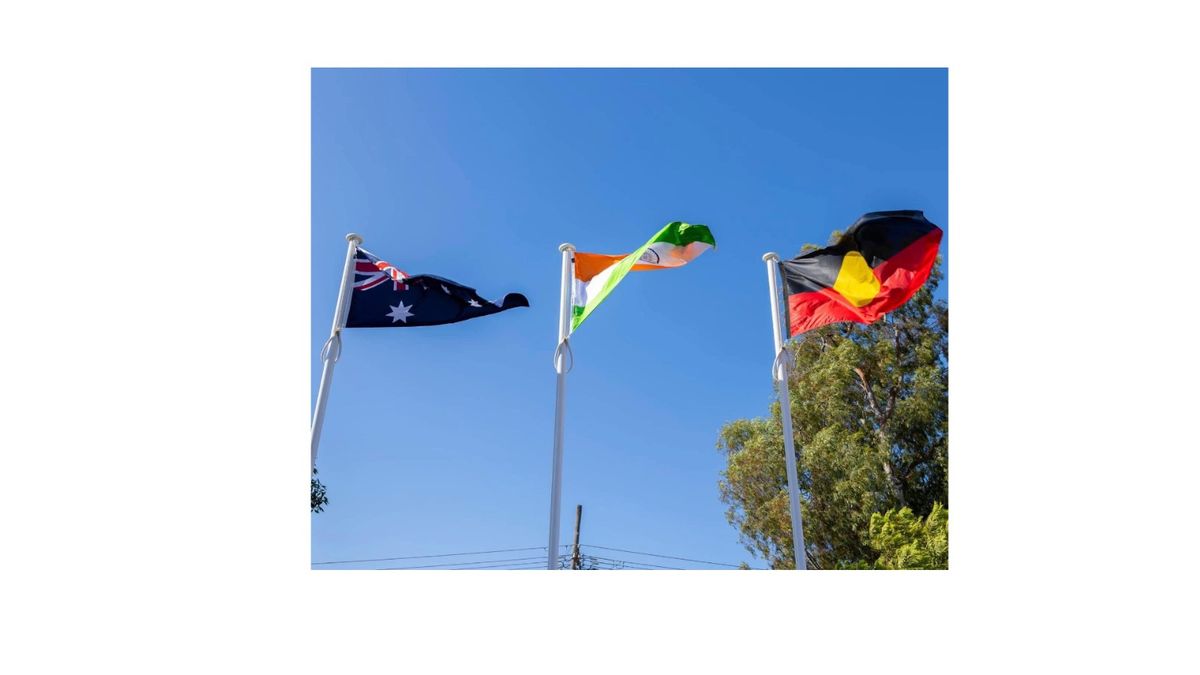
[866,387]
[888,469]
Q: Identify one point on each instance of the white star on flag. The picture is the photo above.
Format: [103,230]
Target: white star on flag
[400,313]
[473,303]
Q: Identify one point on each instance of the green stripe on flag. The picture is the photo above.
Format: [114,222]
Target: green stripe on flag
[682,234]
[676,233]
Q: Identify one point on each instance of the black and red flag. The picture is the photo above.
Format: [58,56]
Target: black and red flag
[876,266]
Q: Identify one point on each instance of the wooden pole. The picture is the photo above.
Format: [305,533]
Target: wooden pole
[576,559]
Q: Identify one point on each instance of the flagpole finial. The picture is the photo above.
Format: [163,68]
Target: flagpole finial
[768,257]
[566,247]
[354,239]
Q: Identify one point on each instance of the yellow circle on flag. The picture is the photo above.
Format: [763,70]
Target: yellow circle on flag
[856,280]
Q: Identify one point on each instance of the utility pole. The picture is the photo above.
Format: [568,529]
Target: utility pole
[576,560]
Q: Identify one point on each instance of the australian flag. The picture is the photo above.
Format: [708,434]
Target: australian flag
[385,296]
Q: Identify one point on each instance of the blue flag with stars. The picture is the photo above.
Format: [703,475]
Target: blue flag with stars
[384,296]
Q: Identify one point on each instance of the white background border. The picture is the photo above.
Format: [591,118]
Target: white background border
[156,169]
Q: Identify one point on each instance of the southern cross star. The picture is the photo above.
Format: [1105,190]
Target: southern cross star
[400,313]
[472,303]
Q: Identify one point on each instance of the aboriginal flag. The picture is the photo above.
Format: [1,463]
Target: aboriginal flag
[385,296]
[877,265]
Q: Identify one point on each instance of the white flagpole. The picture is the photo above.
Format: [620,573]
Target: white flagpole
[780,374]
[560,366]
[333,346]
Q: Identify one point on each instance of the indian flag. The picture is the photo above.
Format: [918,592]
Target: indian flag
[596,274]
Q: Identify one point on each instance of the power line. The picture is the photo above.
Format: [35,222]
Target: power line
[664,567]
[440,555]
[625,565]
[469,562]
[616,565]
[659,555]
[530,548]
[538,563]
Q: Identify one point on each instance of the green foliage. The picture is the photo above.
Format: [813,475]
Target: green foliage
[319,500]
[906,542]
[869,412]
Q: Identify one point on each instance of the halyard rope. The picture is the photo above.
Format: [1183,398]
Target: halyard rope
[333,346]
[558,353]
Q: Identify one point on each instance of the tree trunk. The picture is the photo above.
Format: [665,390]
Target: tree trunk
[897,487]
[881,420]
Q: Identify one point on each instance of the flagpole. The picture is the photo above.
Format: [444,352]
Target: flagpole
[333,346]
[560,366]
[780,374]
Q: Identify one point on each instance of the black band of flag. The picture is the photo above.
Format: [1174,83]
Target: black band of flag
[876,266]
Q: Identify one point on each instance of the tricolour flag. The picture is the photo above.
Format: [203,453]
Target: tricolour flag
[384,296]
[876,266]
[597,274]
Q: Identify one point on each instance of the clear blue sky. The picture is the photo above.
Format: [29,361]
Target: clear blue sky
[438,439]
